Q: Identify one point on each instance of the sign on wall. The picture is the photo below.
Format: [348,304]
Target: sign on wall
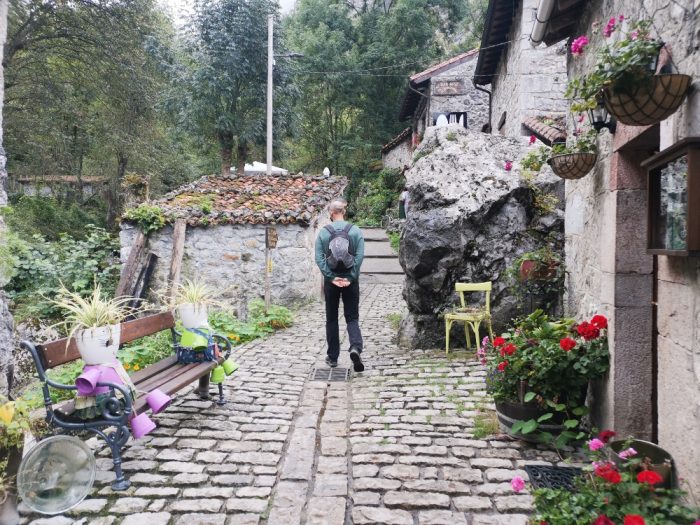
[448,87]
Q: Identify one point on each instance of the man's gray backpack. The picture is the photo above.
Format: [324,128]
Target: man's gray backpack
[341,253]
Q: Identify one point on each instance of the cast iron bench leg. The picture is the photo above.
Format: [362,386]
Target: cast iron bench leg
[221,400]
[203,389]
[116,440]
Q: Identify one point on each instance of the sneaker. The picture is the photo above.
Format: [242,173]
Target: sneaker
[356,361]
[330,362]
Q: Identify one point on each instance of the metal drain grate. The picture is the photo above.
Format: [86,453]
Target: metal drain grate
[330,374]
[543,477]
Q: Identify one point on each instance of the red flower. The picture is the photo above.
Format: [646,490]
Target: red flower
[599,321]
[603,520]
[532,139]
[567,344]
[650,477]
[509,165]
[588,331]
[605,435]
[498,341]
[502,365]
[608,473]
[508,349]
[634,519]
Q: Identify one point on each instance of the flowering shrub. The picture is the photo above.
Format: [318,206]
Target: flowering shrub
[621,65]
[547,363]
[613,490]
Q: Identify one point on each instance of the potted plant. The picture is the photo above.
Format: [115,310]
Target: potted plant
[568,161]
[191,300]
[612,492]
[538,374]
[94,323]
[15,421]
[541,264]
[624,77]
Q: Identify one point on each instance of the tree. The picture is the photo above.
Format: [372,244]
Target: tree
[222,85]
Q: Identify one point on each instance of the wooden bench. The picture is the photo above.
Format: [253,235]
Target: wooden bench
[168,375]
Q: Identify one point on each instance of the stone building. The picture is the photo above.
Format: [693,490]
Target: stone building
[398,153]
[652,299]
[225,237]
[526,82]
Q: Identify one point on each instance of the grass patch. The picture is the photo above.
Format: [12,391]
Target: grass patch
[394,240]
[394,320]
[485,424]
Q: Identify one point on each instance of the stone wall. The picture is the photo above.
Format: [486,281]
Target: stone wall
[470,219]
[474,102]
[529,82]
[610,270]
[400,156]
[231,259]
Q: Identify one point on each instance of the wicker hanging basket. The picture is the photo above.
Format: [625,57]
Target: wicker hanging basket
[572,165]
[652,101]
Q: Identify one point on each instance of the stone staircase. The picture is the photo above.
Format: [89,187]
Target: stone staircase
[381,263]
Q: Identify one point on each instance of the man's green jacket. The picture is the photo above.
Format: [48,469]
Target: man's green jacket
[357,243]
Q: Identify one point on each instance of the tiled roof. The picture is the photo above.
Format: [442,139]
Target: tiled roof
[256,199]
[545,132]
[398,139]
[442,66]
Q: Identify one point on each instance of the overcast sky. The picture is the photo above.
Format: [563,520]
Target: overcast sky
[180,8]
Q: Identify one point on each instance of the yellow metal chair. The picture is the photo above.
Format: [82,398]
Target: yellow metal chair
[472,317]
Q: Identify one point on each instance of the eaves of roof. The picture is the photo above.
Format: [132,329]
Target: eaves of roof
[499,20]
[546,133]
[398,139]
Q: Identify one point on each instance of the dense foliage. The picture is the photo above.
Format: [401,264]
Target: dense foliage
[374,195]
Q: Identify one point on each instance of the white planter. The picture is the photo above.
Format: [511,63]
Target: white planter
[193,315]
[98,345]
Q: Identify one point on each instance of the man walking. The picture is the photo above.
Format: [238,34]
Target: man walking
[340,248]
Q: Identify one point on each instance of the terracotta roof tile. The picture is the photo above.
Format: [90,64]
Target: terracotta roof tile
[546,133]
[251,199]
[442,66]
[398,139]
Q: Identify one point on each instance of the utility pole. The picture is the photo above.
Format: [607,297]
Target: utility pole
[270,62]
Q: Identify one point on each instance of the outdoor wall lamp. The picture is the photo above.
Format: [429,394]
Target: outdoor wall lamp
[600,118]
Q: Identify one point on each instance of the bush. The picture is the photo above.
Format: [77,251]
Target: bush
[147,217]
[375,196]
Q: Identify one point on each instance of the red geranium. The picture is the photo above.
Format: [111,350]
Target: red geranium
[498,341]
[567,344]
[605,435]
[603,520]
[608,473]
[588,331]
[508,349]
[599,321]
[650,477]
[502,365]
[634,519]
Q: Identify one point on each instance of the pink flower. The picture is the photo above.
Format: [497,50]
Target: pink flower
[595,444]
[628,453]
[578,44]
[609,28]
[580,117]
[621,18]
[634,35]
[509,165]
[517,483]
[532,139]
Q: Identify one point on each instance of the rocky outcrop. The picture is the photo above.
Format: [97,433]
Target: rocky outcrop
[469,219]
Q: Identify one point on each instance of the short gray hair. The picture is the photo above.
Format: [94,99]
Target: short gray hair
[338,205]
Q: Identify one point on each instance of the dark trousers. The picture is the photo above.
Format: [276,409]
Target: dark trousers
[351,310]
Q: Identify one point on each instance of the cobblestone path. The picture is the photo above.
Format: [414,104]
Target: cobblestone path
[394,445]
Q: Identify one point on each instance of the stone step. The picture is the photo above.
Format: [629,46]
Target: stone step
[374,234]
[381,278]
[381,265]
[379,249]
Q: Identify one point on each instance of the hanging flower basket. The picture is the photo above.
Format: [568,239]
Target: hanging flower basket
[651,102]
[573,165]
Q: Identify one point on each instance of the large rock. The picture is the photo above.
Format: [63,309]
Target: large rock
[469,219]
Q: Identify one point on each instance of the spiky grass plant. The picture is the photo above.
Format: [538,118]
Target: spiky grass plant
[193,291]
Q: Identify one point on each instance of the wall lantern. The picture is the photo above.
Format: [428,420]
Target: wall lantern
[674,199]
[600,118]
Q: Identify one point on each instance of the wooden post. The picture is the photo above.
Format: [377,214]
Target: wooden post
[268,264]
[179,231]
[131,266]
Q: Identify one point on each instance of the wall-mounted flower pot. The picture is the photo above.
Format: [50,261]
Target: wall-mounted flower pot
[651,102]
[537,271]
[572,165]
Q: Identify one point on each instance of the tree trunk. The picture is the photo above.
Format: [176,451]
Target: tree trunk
[112,196]
[226,145]
[242,156]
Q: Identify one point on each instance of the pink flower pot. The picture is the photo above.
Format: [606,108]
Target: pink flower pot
[87,381]
[141,425]
[158,400]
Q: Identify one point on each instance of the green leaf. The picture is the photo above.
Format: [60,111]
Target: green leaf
[529,426]
[580,411]
[517,427]
[560,407]
[571,423]
[545,417]
[529,397]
